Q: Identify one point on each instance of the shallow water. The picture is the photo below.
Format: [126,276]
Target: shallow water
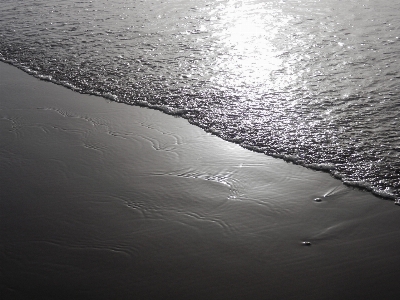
[313,82]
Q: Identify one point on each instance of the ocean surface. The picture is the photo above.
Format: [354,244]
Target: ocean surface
[313,82]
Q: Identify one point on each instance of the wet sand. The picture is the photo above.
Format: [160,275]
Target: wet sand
[100,200]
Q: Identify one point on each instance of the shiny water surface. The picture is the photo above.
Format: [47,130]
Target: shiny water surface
[313,82]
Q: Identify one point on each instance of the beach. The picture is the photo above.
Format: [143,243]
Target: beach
[102,200]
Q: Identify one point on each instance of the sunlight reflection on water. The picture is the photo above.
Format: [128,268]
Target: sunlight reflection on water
[246,33]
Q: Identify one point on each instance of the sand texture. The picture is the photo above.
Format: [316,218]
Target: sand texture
[101,200]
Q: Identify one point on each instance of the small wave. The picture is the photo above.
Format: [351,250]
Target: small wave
[368,187]
[111,97]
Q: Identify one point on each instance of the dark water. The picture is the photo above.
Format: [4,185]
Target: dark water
[313,82]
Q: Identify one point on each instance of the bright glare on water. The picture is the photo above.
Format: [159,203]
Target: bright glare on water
[314,82]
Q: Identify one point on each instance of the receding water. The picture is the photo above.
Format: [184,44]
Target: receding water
[313,82]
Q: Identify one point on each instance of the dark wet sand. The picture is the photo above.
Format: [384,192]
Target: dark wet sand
[101,200]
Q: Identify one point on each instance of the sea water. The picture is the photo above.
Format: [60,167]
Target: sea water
[313,82]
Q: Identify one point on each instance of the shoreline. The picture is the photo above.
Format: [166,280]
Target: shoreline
[363,186]
[105,200]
